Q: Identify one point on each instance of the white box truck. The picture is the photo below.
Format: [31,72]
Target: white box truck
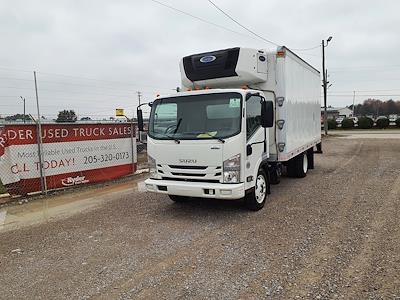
[242,117]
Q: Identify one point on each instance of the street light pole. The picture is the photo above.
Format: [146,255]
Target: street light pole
[324,82]
[23,99]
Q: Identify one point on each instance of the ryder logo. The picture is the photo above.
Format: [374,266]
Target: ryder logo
[70,181]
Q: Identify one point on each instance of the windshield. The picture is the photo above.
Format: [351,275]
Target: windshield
[206,116]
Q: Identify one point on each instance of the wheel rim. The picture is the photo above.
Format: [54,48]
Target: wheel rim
[305,163]
[261,189]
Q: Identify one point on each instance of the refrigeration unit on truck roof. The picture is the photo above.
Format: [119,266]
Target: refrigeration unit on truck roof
[232,67]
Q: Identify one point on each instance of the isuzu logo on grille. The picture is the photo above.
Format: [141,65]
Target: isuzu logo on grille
[187,161]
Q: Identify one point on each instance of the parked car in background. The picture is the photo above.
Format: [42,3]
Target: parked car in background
[380,117]
[339,120]
[393,117]
[355,120]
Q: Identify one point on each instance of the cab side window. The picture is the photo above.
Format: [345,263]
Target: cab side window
[253,115]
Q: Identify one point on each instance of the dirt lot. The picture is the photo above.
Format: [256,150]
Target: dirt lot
[333,234]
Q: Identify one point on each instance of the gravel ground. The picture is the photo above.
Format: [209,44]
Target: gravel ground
[333,234]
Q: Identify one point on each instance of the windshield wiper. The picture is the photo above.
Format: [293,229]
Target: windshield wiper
[177,125]
[176,129]
[172,138]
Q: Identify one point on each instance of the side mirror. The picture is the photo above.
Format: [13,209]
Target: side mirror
[267,114]
[140,119]
[249,150]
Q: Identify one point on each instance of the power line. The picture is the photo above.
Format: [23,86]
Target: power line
[198,18]
[254,33]
[341,79]
[62,91]
[244,27]
[100,80]
[86,78]
[84,85]
[306,49]
[364,95]
[223,27]
[18,70]
[363,67]
[366,91]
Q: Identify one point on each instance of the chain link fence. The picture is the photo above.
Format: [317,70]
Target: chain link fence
[65,155]
[62,132]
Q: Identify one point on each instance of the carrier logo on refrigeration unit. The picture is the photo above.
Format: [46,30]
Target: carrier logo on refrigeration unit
[207,59]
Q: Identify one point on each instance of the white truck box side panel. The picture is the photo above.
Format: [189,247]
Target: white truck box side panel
[301,108]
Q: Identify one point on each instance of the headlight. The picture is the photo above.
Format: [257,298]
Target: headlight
[231,169]
[152,167]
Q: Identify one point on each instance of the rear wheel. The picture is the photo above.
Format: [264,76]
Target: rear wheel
[256,198]
[298,166]
[319,148]
[310,158]
[178,199]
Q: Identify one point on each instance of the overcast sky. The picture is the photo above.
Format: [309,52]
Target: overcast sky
[93,56]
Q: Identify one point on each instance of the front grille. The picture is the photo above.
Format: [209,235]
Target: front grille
[188,167]
[190,173]
[191,180]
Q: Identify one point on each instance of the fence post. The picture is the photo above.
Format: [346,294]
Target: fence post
[43,181]
[42,187]
[132,144]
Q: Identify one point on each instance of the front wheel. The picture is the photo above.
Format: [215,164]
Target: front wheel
[255,200]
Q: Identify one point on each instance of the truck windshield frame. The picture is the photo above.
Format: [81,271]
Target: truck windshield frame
[196,117]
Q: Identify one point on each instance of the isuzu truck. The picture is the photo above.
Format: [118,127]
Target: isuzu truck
[243,116]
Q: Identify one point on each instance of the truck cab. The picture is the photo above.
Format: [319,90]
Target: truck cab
[199,143]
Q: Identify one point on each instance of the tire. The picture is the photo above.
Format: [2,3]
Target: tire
[310,158]
[275,173]
[256,198]
[319,148]
[298,166]
[178,199]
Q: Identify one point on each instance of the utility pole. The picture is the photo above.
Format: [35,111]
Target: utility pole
[23,99]
[139,94]
[354,97]
[324,82]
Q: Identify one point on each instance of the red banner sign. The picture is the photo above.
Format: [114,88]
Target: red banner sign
[73,154]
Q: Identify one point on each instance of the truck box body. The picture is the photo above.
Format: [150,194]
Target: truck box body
[287,80]
[299,85]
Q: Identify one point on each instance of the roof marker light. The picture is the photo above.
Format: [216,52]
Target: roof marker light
[280,53]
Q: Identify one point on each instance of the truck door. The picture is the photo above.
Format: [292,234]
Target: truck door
[255,136]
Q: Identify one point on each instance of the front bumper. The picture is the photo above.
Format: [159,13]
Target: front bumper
[196,189]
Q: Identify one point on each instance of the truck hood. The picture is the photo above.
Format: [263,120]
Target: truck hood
[187,153]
